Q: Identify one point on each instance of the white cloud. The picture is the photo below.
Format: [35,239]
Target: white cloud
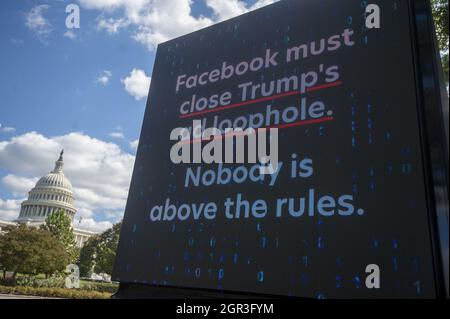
[118,135]
[159,21]
[101,4]
[37,23]
[19,185]
[137,84]
[6,129]
[70,34]
[9,209]
[112,25]
[134,144]
[100,172]
[104,77]
[156,21]
[261,3]
[224,9]
[92,225]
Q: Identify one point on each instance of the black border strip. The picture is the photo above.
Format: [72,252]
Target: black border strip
[433,126]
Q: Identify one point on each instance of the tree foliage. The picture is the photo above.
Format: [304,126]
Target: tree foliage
[87,257]
[31,251]
[106,250]
[440,15]
[99,252]
[60,226]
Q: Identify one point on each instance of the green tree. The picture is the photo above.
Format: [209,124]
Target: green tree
[87,256]
[440,15]
[106,250]
[32,251]
[99,252]
[59,224]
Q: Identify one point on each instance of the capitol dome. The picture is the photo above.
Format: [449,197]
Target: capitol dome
[52,192]
[55,180]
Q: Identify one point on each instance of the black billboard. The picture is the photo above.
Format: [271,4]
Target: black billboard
[350,190]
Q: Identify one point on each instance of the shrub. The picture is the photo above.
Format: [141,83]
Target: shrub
[51,282]
[99,286]
[54,292]
[36,282]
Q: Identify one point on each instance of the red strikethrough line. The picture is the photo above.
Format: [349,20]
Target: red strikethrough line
[268,98]
[281,126]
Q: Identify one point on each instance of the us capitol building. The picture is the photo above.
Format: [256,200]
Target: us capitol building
[52,192]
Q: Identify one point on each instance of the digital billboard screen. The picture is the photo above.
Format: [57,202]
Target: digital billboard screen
[347,192]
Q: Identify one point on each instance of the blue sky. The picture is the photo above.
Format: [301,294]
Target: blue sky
[84,90]
[52,88]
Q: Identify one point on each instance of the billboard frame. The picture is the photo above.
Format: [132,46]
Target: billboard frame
[432,108]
